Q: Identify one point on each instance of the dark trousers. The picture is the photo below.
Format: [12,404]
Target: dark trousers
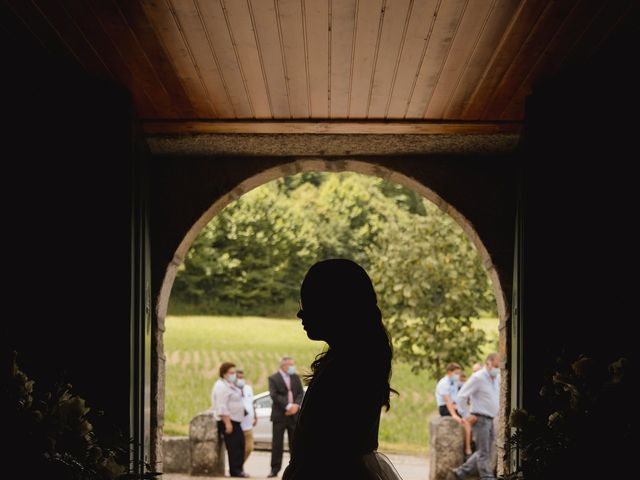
[444,411]
[234,442]
[277,440]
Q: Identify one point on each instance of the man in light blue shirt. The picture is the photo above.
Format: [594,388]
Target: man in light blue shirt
[250,418]
[447,391]
[483,390]
[446,399]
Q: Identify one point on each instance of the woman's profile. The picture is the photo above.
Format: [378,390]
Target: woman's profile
[337,431]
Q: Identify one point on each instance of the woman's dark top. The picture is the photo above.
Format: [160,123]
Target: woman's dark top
[339,418]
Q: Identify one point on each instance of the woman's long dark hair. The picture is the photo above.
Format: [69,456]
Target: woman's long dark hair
[342,278]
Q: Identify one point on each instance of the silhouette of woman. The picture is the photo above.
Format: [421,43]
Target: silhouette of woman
[337,431]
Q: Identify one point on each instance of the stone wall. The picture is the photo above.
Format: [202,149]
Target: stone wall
[207,451]
[201,453]
[177,454]
[446,449]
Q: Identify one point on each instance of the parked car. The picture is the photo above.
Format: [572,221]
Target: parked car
[262,431]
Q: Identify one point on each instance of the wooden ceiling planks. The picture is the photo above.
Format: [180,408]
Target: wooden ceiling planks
[134,15]
[469,31]
[170,35]
[316,37]
[558,48]
[68,30]
[365,33]
[283,60]
[115,26]
[46,34]
[393,33]
[534,45]
[163,127]
[264,21]
[514,36]
[447,19]
[292,38]
[200,48]
[99,41]
[223,51]
[416,41]
[342,22]
[231,26]
[500,16]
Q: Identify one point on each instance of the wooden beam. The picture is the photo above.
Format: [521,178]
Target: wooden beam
[169,127]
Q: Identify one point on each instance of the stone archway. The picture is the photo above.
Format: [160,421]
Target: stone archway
[320,165]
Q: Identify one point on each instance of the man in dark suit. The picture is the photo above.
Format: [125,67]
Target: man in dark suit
[285,389]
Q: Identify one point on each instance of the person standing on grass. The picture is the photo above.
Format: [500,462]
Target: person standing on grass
[285,389]
[483,389]
[446,393]
[228,410]
[250,419]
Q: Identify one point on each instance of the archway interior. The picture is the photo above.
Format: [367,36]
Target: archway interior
[232,338]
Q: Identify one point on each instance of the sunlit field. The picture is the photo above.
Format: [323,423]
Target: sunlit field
[196,345]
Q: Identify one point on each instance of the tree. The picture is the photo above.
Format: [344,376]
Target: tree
[251,259]
[431,284]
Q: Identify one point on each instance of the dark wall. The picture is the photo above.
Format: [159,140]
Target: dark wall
[581,254]
[66,160]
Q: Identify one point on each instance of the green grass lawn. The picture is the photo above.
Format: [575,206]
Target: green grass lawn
[196,345]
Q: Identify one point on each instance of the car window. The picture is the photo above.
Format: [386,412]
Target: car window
[264,402]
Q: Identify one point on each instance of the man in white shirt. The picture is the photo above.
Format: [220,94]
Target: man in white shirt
[250,419]
[483,389]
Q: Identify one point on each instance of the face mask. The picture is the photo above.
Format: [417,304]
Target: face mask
[291,370]
[494,372]
[232,378]
[455,377]
[240,382]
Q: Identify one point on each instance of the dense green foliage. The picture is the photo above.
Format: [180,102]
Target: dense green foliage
[431,283]
[251,258]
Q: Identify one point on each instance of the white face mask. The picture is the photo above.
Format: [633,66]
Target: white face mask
[494,372]
[240,382]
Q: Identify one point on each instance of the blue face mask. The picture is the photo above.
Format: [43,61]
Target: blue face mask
[494,372]
[240,382]
[232,378]
[291,370]
[455,377]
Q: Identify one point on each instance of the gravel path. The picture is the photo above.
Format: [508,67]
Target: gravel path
[410,467]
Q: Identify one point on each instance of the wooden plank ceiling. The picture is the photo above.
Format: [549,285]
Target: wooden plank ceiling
[251,62]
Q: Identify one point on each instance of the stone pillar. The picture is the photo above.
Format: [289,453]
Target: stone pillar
[446,447]
[207,448]
[176,455]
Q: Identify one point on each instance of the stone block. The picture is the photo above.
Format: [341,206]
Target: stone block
[446,447]
[176,455]
[206,446]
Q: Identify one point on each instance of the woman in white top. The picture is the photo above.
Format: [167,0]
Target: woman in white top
[228,410]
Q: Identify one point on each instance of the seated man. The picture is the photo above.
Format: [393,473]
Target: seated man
[446,392]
